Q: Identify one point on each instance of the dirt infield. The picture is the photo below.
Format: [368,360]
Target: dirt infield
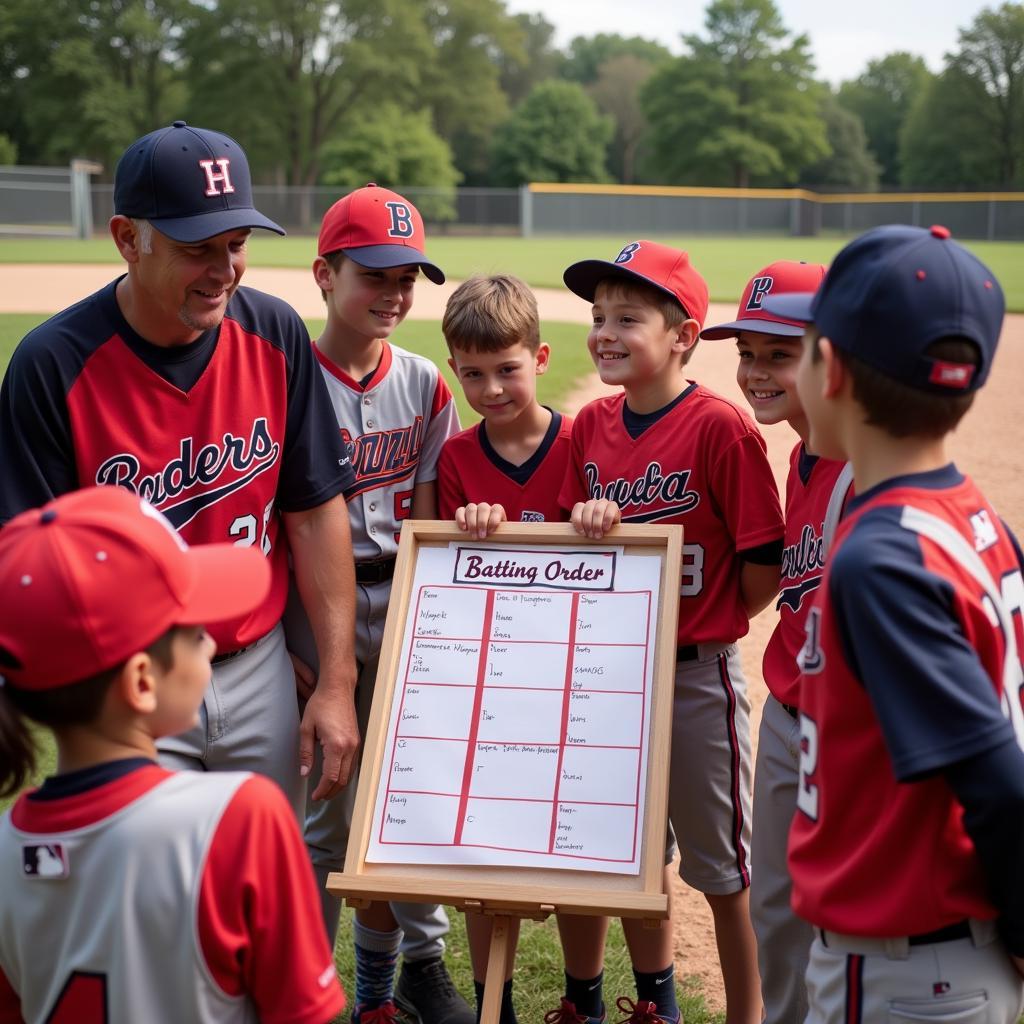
[984,446]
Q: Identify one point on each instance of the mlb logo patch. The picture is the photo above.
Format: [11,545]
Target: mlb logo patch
[44,861]
[531,517]
[984,530]
[951,375]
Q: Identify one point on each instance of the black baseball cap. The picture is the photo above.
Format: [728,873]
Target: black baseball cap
[896,289]
[189,183]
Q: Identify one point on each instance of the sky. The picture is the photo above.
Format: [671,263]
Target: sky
[844,36]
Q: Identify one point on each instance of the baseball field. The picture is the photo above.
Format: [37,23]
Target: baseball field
[39,277]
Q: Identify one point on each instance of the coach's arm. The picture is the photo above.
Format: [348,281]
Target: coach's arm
[321,546]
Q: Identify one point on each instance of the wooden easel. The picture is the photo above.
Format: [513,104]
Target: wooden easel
[507,893]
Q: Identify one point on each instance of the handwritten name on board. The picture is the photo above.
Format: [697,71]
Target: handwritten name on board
[557,570]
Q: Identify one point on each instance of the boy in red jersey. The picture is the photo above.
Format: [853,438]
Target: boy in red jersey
[906,847]
[511,464]
[769,349]
[128,892]
[668,450]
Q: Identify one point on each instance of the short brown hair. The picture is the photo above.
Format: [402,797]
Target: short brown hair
[670,308]
[334,260]
[491,313]
[899,409]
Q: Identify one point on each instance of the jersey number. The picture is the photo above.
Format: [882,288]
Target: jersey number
[245,527]
[83,1000]
[403,508]
[693,570]
[807,793]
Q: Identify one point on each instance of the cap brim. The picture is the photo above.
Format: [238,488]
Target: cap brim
[758,326]
[229,582]
[206,225]
[584,277]
[794,306]
[383,257]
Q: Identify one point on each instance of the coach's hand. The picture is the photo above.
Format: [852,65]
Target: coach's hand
[330,719]
[479,518]
[594,518]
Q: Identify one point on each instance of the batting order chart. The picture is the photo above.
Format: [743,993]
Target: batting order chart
[519,724]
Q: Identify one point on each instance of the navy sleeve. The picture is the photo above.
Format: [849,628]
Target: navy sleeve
[314,465]
[901,638]
[37,460]
[990,787]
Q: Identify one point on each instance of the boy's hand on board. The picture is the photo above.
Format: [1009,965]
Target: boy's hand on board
[479,518]
[594,518]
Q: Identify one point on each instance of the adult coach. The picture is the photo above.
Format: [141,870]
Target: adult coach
[205,399]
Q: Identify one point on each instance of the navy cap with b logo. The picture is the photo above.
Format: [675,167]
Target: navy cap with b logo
[894,291]
[189,183]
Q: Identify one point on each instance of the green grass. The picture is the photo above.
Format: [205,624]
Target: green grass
[569,360]
[726,263]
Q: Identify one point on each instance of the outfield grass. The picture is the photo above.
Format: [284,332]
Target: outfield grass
[726,263]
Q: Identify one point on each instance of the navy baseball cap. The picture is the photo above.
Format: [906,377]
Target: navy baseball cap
[189,183]
[896,289]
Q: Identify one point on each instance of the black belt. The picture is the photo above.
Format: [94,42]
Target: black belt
[217,659]
[790,710]
[687,652]
[378,570]
[960,930]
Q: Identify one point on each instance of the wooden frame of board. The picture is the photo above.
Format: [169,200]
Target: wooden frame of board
[520,891]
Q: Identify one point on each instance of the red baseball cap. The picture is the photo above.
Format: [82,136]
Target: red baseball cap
[662,266]
[99,574]
[784,277]
[377,228]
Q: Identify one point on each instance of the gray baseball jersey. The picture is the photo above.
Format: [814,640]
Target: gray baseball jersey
[394,424]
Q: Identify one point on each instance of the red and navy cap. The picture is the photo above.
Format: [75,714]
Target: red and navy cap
[99,574]
[780,278]
[662,266]
[896,289]
[377,228]
[189,183]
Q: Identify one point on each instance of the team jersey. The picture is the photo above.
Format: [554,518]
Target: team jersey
[809,489]
[221,434]
[394,426]
[902,677]
[160,897]
[470,470]
[702,464]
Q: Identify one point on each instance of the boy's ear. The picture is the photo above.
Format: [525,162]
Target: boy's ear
[542,358]
[451,363]
[136,684]
[323,274]
[687,335]
[835,375]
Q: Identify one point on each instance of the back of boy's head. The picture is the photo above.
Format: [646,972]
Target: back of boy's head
[915,317]
[491,313]
[377,229]
[98,575]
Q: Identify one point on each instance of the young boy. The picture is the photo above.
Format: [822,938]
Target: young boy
[769,349]
[394,411]
[128,892]
[906,846]
[668,450]
[510,464]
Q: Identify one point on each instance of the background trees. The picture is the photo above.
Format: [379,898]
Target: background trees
[409,91]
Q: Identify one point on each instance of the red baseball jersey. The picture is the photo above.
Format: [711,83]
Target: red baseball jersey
[470,470]
[701,463]
[903,671]
[809,489]
[131,893]
[221,435]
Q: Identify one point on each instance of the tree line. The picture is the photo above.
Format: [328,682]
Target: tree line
[446,92]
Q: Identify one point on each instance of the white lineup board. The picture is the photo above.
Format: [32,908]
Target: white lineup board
[520,723]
